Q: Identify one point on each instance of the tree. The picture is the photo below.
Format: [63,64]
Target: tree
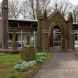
[38,7]
[25,9]
[34,8]
[42,6]
[75,12]
[13,8]
[63,6]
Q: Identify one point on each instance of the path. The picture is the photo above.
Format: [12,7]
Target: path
[63,65]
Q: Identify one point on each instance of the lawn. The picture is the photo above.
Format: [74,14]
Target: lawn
[7,62]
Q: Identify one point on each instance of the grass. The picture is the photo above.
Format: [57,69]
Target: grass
[9,58]
[7,62]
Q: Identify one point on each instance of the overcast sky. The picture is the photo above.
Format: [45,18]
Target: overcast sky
[74,2]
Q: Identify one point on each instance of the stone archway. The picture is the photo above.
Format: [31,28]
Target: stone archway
[47,25]
[56,37]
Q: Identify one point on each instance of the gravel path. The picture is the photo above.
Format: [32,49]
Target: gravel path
[62,65]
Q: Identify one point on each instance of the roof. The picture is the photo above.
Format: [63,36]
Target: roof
[22,20]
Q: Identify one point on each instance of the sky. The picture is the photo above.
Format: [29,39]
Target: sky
[74,2]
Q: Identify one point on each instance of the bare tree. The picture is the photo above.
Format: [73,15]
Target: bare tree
[75,12]
[14,8]
[0,9]
[34,8]
[25,9]
[38,7]
[63,6]
[42,5]
[75,15]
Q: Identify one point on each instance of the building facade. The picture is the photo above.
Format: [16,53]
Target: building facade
[24,30]
[45,34]
[25,33]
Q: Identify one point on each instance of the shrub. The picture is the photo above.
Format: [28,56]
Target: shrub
[22,66]
[25,65]
[41,54]
[40,57]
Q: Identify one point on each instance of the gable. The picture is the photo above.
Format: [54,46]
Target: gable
[57,18]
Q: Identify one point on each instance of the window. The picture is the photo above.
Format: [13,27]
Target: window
[10,36]
[76,39]
[76,36]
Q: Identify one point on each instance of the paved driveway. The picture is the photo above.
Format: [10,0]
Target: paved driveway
[62,65]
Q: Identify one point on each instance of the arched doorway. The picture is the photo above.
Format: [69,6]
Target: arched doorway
[56,34]
[56,38]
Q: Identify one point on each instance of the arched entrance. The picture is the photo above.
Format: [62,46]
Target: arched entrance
[56,38]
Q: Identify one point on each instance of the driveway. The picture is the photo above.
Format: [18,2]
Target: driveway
[62,65]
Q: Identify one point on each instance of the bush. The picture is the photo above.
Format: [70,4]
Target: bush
[40,57]
[41,54]
[22,66]
[25,65]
